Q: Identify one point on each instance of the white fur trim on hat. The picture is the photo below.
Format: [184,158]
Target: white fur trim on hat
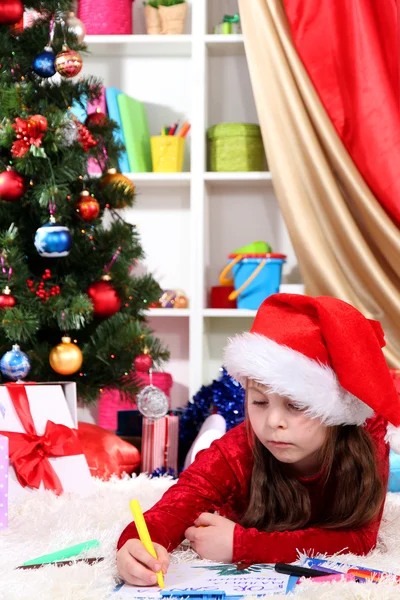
[393,437]
[310,384]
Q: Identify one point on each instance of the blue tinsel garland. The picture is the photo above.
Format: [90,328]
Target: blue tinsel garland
[224,396]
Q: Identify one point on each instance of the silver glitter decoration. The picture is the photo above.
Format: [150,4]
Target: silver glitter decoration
[70,134]
[152,402]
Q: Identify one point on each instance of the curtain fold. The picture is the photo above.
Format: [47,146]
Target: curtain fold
[345,241]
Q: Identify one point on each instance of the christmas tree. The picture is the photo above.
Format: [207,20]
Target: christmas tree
[69,300]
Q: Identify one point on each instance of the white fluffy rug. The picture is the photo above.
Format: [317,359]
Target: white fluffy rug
[46,523]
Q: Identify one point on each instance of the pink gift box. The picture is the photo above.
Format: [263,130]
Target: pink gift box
[160,444]
[4,464]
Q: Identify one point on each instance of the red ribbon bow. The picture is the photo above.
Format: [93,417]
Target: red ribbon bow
[30,452]
[29,132]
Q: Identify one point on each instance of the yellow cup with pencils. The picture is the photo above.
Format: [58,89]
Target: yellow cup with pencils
[167,152]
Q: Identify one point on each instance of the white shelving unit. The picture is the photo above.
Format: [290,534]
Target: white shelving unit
[189,222]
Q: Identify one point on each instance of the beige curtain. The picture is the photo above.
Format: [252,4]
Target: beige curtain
[346,244]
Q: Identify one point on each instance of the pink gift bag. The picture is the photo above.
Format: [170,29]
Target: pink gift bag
[4,464]
[160,444]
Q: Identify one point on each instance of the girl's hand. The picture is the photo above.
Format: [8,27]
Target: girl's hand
[212,537]
[137,567]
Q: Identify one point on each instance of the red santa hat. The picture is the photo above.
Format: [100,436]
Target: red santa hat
[324,355]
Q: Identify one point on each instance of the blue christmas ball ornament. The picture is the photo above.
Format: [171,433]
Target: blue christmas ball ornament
[44,63]
[15,364]
[53,240]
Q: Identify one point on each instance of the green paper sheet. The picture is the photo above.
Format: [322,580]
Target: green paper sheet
[136,133]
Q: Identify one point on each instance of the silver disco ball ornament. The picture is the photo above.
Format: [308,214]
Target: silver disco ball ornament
[152,402]
[75,26]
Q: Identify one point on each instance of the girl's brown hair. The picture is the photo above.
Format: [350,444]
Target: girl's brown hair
[280,502]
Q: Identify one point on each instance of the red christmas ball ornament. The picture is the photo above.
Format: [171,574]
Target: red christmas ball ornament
[104,297]
[143,363]
[96,118]
[12,185]
[87,207]
[6,299]
[11,11]
[38,121]
[68,62]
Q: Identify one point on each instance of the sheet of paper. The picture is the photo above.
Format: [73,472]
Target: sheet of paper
[256,580]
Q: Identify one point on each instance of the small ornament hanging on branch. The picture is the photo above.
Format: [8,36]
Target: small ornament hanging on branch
[11,11]
[15,364]
[7,300]
[87,207]
[117,180]
[74,26]
[12,185]
[44,62]
[53,240]
[68,62]
[66,358]
[151,401]
[105,299]
[143,362]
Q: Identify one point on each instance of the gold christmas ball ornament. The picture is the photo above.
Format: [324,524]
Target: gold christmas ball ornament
[68,62]
[66,358]
[117,179]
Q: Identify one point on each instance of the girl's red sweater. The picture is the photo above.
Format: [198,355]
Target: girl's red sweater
[219,480]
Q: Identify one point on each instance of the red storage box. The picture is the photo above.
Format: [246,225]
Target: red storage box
[110,400]
[103,17]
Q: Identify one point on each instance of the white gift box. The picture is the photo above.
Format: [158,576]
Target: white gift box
[54,402]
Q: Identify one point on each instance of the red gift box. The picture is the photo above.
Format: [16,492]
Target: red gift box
[160,444]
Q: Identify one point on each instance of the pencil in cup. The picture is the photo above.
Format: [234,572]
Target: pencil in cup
[167,152]
[144,535]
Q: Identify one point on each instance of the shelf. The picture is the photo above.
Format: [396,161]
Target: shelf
[148,180]
[228,312]
[225,45]
[168,312]
[251,178]
[139,45]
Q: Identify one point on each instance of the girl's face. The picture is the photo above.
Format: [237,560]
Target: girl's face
[284,430]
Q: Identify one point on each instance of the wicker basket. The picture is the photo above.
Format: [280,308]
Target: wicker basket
[103,17]
[236,147]
[110,400]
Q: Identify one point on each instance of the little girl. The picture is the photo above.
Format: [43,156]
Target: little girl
[308,469]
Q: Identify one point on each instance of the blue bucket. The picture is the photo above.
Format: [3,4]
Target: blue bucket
[394,474]
[257,276]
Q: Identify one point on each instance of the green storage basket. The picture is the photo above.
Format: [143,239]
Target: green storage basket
[236,147]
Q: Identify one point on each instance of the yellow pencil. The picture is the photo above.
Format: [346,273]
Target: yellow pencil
[144,535]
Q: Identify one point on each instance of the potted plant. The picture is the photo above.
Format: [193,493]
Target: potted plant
[172,15]
[152,16]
